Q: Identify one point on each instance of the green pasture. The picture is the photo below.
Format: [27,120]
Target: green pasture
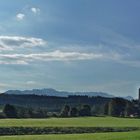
[97,136]
[72,122]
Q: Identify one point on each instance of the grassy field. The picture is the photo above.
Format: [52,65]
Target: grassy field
[75,122]
[97,136]
[72,122]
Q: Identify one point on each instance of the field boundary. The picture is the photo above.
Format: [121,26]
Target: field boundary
[61,130]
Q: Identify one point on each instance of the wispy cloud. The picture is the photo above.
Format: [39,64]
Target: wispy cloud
[9,44]
[122,51]
[12,42]
[48,56]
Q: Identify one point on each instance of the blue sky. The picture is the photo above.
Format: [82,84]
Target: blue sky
[73,45]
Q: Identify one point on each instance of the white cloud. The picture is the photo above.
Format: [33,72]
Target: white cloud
[59,55]
[35,10]
[12,42]
[48,56]
[20,16]
[65,56]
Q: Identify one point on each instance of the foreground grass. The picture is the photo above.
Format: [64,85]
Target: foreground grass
[72,122]
[96,136]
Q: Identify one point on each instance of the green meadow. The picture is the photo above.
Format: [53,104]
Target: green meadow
[97,136]
[111,122]
[72,122]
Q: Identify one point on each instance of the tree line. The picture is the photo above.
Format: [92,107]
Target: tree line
[11,111]
[115,107]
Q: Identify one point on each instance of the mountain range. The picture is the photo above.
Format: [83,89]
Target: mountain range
[53,92]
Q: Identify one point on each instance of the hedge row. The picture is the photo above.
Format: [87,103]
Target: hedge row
[61,130]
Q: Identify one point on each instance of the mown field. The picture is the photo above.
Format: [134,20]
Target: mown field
[97,136]
[72,122]
[65,123]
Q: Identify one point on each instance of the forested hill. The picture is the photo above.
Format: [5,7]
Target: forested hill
[53,92]
[52,103]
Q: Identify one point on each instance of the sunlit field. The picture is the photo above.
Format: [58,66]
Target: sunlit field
[111,122]
[72,122]
[97,136]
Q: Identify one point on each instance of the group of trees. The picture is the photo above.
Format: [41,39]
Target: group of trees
[11,111]
[121,108]
[68,111]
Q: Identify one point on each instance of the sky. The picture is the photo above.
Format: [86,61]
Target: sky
[72,45]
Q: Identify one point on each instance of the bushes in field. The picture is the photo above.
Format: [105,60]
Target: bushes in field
[60,130]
